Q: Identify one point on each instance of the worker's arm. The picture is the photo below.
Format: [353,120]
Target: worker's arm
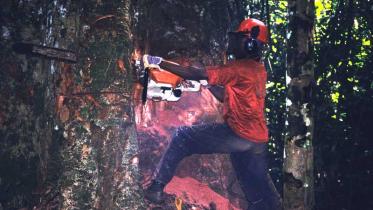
[217,91]
[193,73]
[189,73]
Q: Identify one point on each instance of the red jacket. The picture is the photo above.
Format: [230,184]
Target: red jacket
[244,97]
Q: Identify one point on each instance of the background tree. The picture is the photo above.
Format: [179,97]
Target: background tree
[298,161]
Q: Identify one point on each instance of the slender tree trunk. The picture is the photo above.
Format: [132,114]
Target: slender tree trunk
[298,163]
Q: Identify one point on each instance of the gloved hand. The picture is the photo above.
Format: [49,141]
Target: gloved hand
[151,61]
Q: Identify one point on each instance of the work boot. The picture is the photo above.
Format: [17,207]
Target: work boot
[154,193]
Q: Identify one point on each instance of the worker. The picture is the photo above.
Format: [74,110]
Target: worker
[240,86]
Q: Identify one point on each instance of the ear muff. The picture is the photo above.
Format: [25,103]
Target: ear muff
[235,42]
[251,46]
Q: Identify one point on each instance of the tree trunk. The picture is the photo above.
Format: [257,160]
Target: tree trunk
[99,154]
[68,138]
[29,144]
[298,163]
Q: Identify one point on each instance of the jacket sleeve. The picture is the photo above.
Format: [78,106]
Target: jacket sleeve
[190,72]
[222,75]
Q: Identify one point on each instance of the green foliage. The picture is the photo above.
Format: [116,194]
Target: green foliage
[343,73]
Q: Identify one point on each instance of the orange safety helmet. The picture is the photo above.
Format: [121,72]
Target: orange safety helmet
[247,25]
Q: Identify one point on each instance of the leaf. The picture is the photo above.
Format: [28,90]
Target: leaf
[274,49]
[279,21]
[335,97]
[319,7]
[366,42]
[283,5]
[270,84]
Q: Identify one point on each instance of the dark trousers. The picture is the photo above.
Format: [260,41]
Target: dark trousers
[249,160]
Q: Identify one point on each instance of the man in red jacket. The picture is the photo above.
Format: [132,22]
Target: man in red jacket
[240,85]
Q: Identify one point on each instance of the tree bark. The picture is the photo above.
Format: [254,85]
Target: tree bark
[29,144]
[68,138]
[100,152]
[298,163]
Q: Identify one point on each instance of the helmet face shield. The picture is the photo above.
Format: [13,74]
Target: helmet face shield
[236,44]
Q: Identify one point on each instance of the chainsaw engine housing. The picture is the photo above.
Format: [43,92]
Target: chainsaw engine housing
[165,86]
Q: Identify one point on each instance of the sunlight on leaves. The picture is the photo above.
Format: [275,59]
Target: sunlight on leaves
[365,42]
[335,97]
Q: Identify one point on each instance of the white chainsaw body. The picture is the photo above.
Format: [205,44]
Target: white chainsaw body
[166,92]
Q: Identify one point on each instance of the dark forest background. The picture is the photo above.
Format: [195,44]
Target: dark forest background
[343,99]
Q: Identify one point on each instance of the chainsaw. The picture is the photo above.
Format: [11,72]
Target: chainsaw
[161,85]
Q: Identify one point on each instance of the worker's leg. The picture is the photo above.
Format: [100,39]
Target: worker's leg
[252,173]
[199,139]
